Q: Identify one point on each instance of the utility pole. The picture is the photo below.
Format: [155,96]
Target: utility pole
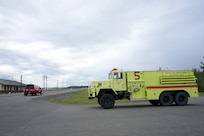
[21,82]
[57,84]
[45,82]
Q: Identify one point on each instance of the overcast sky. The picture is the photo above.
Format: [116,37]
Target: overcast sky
[77,41]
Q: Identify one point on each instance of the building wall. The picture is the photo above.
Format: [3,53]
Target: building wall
[10,88]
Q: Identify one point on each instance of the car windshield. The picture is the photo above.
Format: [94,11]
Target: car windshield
[29,87]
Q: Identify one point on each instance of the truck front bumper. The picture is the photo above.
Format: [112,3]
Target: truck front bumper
[91,95]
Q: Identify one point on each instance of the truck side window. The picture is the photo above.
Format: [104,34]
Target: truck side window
[115,75]
[118,75]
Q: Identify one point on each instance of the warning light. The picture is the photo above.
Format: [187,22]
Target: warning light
[114,69]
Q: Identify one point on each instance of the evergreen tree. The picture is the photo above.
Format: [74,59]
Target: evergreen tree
[202,65]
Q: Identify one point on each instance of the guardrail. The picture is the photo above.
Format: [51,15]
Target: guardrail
[10,91]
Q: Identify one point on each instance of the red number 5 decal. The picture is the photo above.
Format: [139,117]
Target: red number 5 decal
[137,75]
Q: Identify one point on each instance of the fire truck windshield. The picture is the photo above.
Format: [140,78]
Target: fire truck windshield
[110,75]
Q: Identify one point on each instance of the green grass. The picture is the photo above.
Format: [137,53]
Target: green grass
[201,93]
[79,97]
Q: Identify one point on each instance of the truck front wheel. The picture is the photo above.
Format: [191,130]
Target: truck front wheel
[107,101]
[99,99]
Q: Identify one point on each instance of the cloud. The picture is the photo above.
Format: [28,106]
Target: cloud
[77,41]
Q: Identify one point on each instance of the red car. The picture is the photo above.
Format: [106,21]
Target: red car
[32,89]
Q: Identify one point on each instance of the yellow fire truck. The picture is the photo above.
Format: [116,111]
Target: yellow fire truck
[158,87]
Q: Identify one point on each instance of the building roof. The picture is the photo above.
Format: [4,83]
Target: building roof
[10,82]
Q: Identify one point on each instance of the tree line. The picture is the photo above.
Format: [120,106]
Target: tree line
[200,77]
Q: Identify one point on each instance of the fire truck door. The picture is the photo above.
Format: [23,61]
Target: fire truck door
[119,81]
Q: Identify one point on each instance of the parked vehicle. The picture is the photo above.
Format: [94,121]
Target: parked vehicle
[32,89]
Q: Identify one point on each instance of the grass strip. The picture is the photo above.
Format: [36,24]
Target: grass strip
[201,93]
[79,97]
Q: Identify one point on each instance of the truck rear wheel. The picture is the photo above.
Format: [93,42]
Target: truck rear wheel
[166,99]
[181,98]
[107,101]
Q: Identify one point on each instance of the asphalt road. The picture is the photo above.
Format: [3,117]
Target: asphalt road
[24,116]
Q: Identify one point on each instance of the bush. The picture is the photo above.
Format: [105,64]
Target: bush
[200,81]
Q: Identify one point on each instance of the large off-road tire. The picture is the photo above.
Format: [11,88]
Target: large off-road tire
[99,99]
[154,102]
[166,99]
[107,101]
[181,98]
